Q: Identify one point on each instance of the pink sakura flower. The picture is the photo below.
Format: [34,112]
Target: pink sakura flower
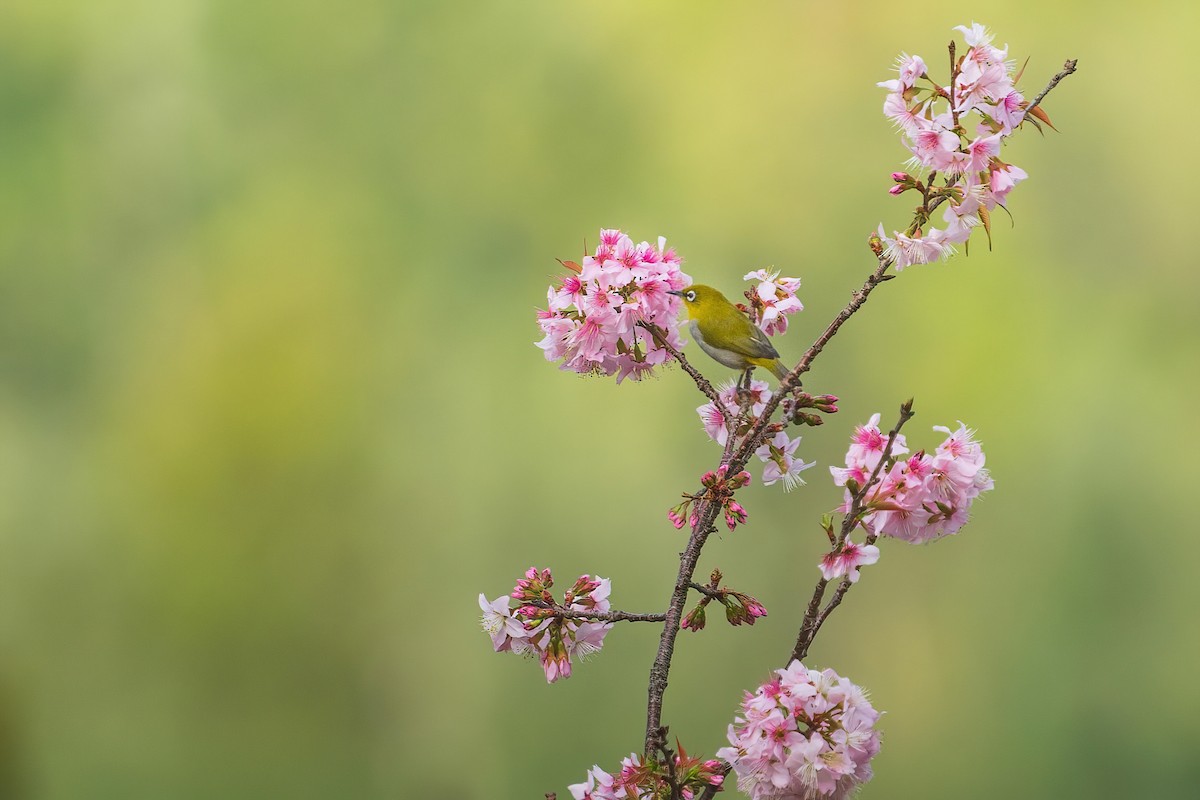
[847,560]
[1008,112]
[933,146]
[981,151]
[759,392]
[781,463]
[868,442]
[778,298]
[906,118]
[508,634]
[710,416]
[1003,178]
[905,250]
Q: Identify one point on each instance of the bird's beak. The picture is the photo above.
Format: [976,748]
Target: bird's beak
[677,294]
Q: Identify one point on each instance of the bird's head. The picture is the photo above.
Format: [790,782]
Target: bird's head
[699,299]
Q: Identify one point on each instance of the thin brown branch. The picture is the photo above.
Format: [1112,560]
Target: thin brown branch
[1068,68]
[706,512]
[608,616]
[708,591]
[702,383]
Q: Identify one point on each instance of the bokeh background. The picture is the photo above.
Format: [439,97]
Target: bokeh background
[271,415]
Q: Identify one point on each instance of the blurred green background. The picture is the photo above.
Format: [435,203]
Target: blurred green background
[271,415]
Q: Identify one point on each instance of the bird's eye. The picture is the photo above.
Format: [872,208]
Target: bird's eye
[690,296]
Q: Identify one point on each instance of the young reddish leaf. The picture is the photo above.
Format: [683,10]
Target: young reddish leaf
[1042,115]
[986,217]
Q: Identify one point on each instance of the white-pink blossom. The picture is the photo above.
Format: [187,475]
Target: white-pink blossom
[803,735]
[759,393]
[779,455]
[847,560]
[776,300]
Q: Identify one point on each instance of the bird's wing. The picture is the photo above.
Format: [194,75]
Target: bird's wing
[758,345]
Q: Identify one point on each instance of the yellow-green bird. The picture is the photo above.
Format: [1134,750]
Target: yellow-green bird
[727,334]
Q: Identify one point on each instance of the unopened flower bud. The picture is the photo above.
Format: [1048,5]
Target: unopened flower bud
[901,177]
[695,619]
[898,189]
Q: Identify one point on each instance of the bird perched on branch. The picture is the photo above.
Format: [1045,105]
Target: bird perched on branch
[726,334]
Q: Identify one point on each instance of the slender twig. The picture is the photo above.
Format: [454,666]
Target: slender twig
[1068,68]
[708,591]
[608,616]
[702,383]
[706,512]
[737,457]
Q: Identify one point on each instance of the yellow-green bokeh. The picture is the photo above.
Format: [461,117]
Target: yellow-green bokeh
[271,416]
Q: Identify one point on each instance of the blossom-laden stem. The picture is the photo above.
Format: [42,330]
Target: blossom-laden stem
[737,458]
[815,616]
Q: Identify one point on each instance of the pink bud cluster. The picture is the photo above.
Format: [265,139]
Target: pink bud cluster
[535,628]
[592,319]
[923,497]
[740,609]
[936,123]
[805,734]
[773,300]
[719,487]
[650,780]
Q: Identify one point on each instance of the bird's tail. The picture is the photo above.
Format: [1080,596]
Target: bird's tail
[775,365]
[779,369]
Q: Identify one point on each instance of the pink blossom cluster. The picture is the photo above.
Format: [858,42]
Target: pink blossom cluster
[920,498]
[805,734]
[957,132]
[535,627]
[650,781]
[592,319]
[773,300]
[778,454]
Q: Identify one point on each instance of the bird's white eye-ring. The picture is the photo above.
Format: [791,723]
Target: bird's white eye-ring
[690,296]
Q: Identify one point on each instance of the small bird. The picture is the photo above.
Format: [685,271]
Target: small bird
[727,334]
